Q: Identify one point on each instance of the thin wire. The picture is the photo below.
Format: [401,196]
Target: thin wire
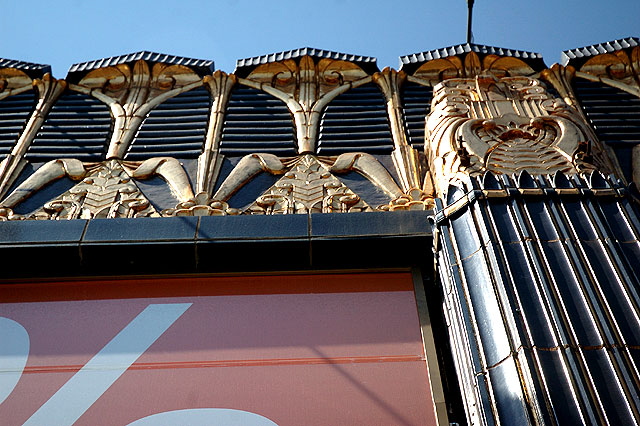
[469,19]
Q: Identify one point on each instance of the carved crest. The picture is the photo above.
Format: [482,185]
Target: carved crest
[504,125]
[106,191]
[308,186]
[471,65]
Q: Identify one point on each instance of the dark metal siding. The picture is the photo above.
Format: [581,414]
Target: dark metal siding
[615,116]
[14,113]
[175,128]
[257,122]
[78,126]
[356,121]
[547,286]
[416,103]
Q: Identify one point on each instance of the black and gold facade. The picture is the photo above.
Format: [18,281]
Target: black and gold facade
[529,172]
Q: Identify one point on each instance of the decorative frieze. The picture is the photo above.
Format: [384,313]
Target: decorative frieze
[505,125]
[131,92]
[620,69]
[306,86]
[492,110]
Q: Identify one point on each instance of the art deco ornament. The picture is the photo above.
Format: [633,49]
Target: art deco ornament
[306,87]
[106,189]
[503,125]
[131,92]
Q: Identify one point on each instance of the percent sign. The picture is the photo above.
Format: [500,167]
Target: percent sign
[75,397]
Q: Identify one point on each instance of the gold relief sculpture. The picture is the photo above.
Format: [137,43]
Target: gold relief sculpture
[561,77]
[49,90]
[414,199]
[219,85]
[620,69]
[306,87]
[106,189]
[405,158]
[308,183]
[201,205]
[13,82]
[308,187]
[505,125]
[131,93]
[438,70]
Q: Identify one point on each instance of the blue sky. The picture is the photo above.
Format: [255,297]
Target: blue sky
[62,33]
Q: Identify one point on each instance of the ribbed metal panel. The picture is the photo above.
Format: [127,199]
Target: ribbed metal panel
[466,48]
[14,113]
[409,63]
[416,103]
[77,127]
[614,115]
[29,68]
[257,122]
[543,299]
[582,53]
[202,65]
[175,128]
[243,66]
[356,121]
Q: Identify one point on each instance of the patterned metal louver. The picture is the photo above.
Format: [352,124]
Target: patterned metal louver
[356,121]
[14,112]
[77,127]
[175,128]
[615,116]
[257,122]
[416,103]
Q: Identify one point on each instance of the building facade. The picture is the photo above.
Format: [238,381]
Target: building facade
[312,240]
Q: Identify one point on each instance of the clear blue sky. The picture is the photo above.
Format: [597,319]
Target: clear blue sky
[61,33]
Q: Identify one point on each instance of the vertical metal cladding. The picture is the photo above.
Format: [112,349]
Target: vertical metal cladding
[542,270]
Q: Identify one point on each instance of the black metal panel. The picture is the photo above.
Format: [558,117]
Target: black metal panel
[609,396]
[78,126]
[556,274]
[175,128]
[257,122]
[14,113]
[210,244]
[416,104]
[615,117]
[555,366]
[509,401]
[356,121]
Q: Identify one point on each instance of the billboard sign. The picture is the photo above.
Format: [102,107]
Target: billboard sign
[265,350]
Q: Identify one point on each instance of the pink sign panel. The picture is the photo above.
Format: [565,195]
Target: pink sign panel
[332,350]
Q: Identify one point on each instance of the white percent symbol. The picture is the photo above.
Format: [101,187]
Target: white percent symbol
[75,397]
